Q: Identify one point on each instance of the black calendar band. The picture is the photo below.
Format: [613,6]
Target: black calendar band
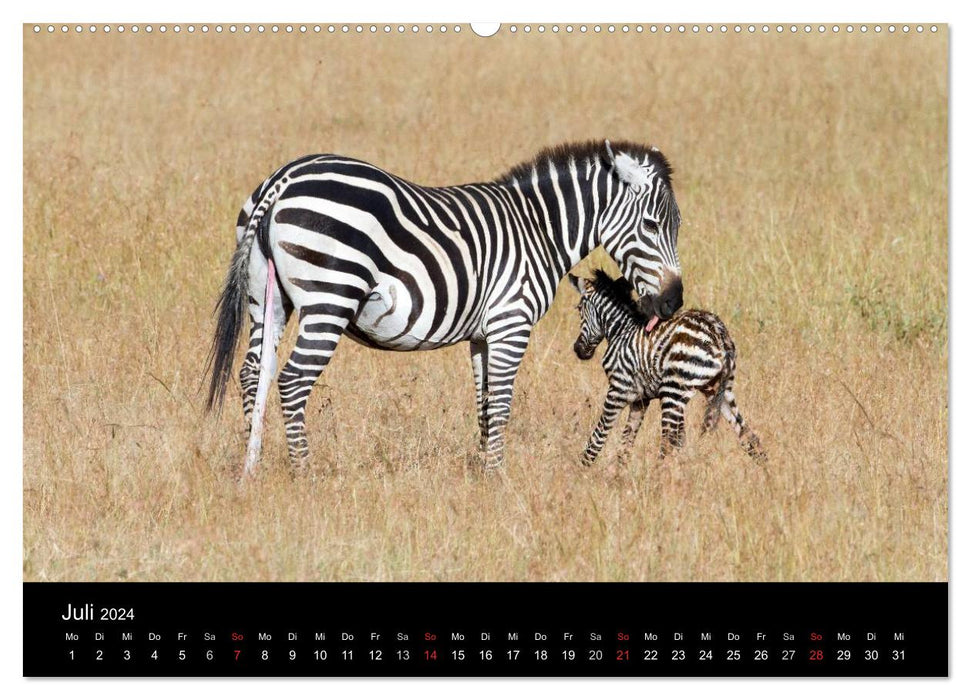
[485,629]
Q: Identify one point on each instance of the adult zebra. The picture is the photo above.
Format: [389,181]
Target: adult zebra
[358,251]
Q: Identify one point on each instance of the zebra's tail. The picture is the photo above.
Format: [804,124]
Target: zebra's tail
[231,311]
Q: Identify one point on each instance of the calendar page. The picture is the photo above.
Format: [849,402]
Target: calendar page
[547,349]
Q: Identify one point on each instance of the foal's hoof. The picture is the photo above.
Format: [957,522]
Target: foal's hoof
[584,462]
[495,474]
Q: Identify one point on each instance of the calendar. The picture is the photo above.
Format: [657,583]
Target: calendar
[536,349]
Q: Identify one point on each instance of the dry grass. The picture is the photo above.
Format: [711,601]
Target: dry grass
[812,174]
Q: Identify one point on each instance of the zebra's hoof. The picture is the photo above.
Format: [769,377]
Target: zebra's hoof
[243,477]
[302,469]
[301,473]
[493,472]
[493,462]
[615,472]
[475,461]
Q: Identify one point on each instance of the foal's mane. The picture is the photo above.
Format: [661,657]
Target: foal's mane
[618,292]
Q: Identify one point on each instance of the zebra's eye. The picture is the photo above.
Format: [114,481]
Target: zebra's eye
[650,225]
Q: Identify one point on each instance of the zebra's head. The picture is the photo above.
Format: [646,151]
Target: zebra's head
[606,305]
[591,327]
[639,230]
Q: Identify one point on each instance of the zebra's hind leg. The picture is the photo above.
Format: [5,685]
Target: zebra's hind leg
[746,436]
[672,421]
[249,373]
[712,410]
[321,326]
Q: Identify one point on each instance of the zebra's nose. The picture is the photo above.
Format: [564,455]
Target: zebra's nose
[671,299]
[582,351]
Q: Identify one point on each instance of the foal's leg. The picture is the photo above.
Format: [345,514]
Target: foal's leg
[634,419]
[672,421]
[746,436]
[712,409]
[614,403]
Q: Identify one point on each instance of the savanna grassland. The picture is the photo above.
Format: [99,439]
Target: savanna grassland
[811,172]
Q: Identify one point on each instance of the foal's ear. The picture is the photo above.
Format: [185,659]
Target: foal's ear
[576,283]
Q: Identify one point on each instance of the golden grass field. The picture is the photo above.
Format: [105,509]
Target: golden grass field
[812,175]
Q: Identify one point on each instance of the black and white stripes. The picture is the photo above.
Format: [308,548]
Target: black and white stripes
[678,357]
[397,266]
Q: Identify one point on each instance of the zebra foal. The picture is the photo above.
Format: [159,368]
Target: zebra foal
[648,359]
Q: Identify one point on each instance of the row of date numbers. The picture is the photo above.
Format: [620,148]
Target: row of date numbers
[513,655]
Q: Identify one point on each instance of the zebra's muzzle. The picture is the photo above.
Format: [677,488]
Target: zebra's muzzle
[665,304]
[671,299]
[583,350]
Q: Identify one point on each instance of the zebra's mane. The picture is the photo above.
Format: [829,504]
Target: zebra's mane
[618,292]
[580,151]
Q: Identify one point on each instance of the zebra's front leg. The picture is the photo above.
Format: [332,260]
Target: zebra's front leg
[504,354]
[614,403]
[479,361]
[634,420]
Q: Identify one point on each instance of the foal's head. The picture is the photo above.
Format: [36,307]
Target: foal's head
[604,302]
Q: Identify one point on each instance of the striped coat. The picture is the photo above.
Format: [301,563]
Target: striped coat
[647,359]
[356,251]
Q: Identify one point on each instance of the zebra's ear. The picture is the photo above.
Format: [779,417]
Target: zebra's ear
[627,169]
[575,283]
